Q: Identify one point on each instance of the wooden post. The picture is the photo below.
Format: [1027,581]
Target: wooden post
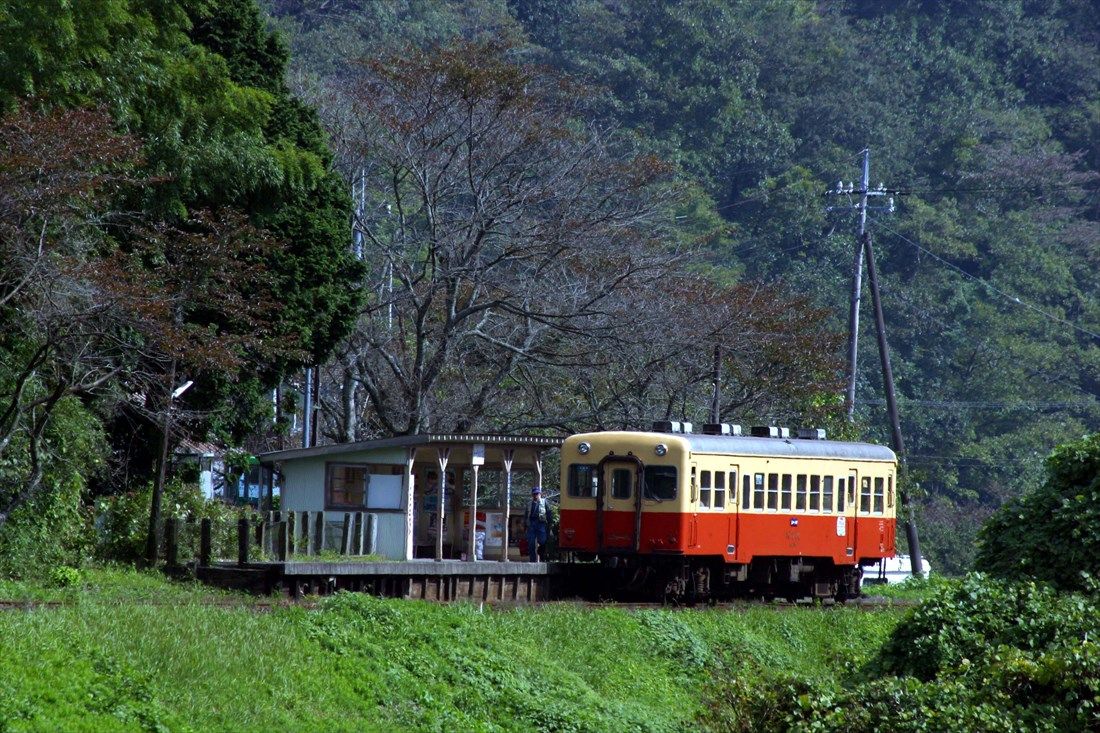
[171,538]
[204,542]
[305,545]
[345,535]
[261,532]
[509,455]
[471,552]
[372,534]
[357,539]
[291,534]
[444,455]
[319,533]
[284,539]
[242,541]
[410,504]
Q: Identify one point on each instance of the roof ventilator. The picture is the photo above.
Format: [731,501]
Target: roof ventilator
[811,433]
[671,426]
[722,428]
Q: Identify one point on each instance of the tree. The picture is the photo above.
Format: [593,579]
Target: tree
[500,221]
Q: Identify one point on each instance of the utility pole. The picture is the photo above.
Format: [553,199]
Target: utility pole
[864,192]
[864,249]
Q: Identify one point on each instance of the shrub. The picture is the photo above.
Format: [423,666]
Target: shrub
[1053,533]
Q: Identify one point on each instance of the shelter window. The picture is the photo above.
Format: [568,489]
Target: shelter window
[785,494]
[363,486]
[660,483]
[582,480]
[720,488]
[758,492]
[815,493]
[800,493]
[773,491]
[620,483]
[865,495]
[827,493]
[704,489]
[840,495]
[878,494]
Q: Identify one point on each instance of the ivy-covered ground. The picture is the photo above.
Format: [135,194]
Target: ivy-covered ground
[120,650]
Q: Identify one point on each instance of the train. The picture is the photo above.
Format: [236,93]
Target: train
[714,515]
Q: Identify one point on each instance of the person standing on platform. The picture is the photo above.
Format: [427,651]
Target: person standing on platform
[538,519]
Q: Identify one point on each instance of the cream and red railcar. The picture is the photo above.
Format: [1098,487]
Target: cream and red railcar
[702,516]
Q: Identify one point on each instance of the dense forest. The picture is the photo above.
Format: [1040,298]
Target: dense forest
[541,215]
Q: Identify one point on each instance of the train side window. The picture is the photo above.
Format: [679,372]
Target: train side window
[620,483]
[758,492]
[815,493]
[720,489]
[773,490]
[865,495]
[800,493]
[733,489]
[660,483]
[878,494]
[890,492]
[827,493]
[785,495]
[746,492]
[852,488]
[582,480]
[840,495]
[704,489]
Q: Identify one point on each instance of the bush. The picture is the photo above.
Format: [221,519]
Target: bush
[1053,533]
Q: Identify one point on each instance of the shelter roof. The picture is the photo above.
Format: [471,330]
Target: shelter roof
[422,440]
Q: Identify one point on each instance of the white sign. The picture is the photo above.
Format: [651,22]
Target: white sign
[477,455]
[841,526]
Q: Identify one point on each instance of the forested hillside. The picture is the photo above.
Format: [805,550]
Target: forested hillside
[982,117]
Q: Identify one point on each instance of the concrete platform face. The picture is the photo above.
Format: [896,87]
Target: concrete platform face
[419,567]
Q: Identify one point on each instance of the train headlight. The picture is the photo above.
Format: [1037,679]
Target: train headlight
[583,448]
[661,449]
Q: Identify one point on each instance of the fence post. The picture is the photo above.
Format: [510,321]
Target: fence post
[319,533]
[284,539]
[307,536]
[360,528]
[372,533]
[171,540]
[291,533]
[204,542]
[345,535]
[242,541]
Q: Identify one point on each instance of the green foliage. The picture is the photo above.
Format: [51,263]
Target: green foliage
[979,654]
[1052,533]
[52,528]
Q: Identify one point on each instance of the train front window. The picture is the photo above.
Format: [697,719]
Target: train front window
[773,491]
[815,493]
[800,495]
[865,495]
[620,483]
[720,489]
[660,483]
[582,480]
[827,493]
[785,494]
[758,492]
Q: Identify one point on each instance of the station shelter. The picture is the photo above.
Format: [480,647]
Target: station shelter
[422,489]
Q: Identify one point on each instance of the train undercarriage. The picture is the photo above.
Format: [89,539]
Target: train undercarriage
[691,580]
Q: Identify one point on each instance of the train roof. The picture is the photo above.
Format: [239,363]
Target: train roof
[745,445]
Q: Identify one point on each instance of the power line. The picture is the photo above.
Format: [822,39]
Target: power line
[997,405]
[1007,296]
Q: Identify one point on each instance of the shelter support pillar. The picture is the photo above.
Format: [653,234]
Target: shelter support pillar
[444,455]
[509,455]
[410,504]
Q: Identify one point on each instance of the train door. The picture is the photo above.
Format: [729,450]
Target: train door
[619,487]
[693,508]
[733,515]
[851,496]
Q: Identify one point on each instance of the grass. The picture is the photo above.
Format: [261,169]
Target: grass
[133,651]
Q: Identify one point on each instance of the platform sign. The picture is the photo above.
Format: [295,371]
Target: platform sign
[477,454]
